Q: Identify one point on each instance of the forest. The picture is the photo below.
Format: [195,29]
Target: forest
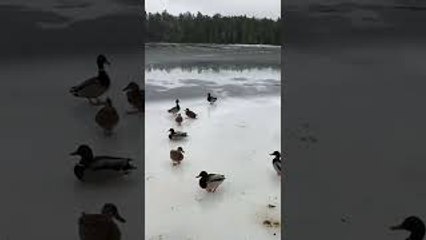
[218,29]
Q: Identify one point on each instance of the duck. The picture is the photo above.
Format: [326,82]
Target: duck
[95,163]
[176,134]
[94,87]
[101,226]
[135,96]
[175,109]
[177,155]
[414,225]
[211,99]
[179,118]
[210,181]
[276,162]
[190,113]
[107,117]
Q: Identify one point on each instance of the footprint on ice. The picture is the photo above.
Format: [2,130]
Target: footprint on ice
[305,134]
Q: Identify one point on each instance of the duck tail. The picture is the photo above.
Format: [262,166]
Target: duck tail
[74,91]
[129,166]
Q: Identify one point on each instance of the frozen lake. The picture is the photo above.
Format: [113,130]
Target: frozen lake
[229,137]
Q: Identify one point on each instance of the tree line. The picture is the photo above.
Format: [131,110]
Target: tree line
[199,28]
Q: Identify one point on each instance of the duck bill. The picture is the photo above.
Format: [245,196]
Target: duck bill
[107,62]
[272,154]
[198,176]
[126,88]
[120,218]
[73,153]
[393,228]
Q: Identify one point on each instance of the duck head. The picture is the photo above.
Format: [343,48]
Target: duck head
[84,151]
[276,154]
[171,130]
[414,225]
[131,86]
[101,61]
[202,174]
[180,149]
[111,210]
[177,101]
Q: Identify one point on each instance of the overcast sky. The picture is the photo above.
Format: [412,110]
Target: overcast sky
[257,8]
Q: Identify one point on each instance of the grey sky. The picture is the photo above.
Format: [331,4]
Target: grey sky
[258,8]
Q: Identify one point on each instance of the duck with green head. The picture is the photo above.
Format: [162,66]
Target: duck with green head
[210,182]
[414,225]
[94,87]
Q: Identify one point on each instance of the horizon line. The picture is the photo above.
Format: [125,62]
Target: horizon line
[211,15]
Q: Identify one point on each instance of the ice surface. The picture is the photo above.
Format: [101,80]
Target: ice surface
[232,137]
[365,107]
[41,124]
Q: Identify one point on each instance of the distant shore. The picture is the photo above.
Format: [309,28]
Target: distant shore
[190,70]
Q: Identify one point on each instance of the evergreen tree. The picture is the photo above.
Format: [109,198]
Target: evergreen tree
[199,28]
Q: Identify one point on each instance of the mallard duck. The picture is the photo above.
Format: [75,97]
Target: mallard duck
[414,225]
[210,181]
[276,162]
[211,99]
[94,87]
[175,109]
[190,113]
[107,117]
[179,118]
[100,226]
[176,134]
[95,163]
[177,155]
[135,97]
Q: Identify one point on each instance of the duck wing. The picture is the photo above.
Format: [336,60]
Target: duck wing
[108,162]
[277,165]
[173,109]
[215,177]
[94,81]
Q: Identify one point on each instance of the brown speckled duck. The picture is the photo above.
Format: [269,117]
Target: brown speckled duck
[177,155]
[190,113]
[135,97]
[179,118]
[107,117]
[100,226]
